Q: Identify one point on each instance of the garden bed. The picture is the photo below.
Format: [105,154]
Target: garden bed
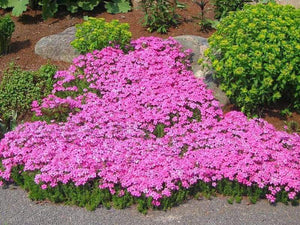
[137,132]
[30,28]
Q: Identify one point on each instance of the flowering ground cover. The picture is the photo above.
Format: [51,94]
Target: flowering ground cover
[141,126]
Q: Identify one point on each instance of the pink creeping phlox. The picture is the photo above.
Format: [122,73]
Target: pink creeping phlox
[111,137]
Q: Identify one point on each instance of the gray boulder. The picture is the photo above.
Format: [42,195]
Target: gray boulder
[57,46]
[198,45]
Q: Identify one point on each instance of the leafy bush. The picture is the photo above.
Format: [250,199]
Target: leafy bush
[160,15]
[150,133]
[95,33]
[7,27]
[118,6]
[19,88]
[256,56]
[49,7]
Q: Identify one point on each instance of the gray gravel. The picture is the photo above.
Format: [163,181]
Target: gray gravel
[17,209]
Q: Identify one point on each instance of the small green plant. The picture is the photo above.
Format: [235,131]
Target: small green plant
[7,27]
[256,56]
[223,7]
[19,88]
[205,23]
[95,33]
[160,15]
[117,6]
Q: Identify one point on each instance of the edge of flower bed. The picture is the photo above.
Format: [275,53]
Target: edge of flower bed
[91,196]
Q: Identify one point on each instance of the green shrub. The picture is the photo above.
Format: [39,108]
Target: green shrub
[160,15]
[97,34]
[7,27]
[223,7]
[256,56]
[19,88]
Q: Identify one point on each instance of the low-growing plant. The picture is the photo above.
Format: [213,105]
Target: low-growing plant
[146,131]
[7,27]
[160,15]
[96,33]
[91,196]
[256,56]
[19,88]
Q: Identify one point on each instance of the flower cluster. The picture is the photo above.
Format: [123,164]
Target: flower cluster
[113,137]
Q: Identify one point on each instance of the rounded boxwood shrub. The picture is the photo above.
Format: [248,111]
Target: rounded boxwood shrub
[96,34]
[256,58]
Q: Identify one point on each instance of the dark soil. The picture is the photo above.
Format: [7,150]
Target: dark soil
[30,28]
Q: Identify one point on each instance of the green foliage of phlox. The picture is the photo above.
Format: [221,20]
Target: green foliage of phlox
[91,196]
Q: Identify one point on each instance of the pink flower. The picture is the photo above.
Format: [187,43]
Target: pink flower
[121,193]
[292,195]
[120,131]
[271,198]
[155,203]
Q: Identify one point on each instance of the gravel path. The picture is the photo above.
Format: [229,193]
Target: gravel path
[17,209]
